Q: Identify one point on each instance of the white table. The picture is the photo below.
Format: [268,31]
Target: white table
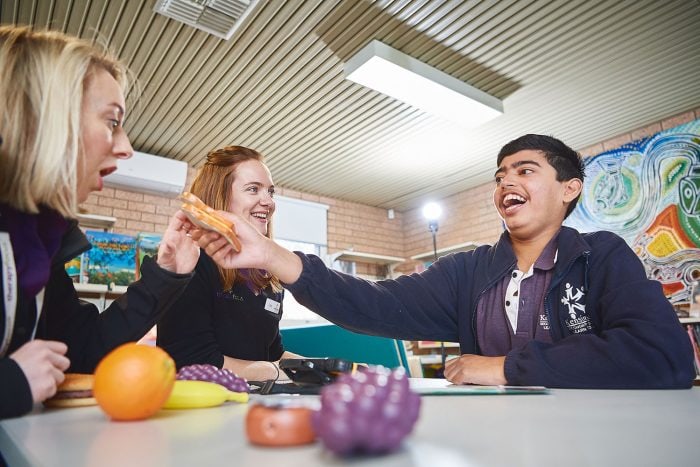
[565,427]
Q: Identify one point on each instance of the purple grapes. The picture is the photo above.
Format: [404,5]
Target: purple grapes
[369,412]
[222,376]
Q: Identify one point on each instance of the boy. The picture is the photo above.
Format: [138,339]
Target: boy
[545,305]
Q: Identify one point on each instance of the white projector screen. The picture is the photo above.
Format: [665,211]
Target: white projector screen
[300,221]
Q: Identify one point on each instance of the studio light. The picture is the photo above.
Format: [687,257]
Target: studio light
[385,69]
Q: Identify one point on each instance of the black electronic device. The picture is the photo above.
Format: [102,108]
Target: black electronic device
[315,371]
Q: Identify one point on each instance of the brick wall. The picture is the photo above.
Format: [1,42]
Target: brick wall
[351,226]
[361,228]
[135,212]
[468,216]
[472,217]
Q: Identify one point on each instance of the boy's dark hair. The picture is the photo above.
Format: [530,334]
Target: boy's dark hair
[567,162]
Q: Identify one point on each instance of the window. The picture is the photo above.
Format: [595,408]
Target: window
[301,225]
[294,313]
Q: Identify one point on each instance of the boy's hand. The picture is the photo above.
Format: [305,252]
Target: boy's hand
[253,245]
[257,251]
[476,369]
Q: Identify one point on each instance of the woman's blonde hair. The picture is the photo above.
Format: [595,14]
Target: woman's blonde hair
[213,185]
[43,75]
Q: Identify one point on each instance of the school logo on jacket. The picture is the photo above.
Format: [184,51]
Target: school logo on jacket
[574,300]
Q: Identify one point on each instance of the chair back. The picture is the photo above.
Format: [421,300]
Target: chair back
[330,340]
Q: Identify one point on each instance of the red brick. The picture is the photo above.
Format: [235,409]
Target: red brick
[92,198]
[646,131]
[166,210]
[616,142]
[313,198]
[678,120]
[114,203]
[291,193]
[153,199]
[128,195]
[142,207]
[155,218]
[127,214]
[591,150]
[101,210]
[160,228]
[140,226]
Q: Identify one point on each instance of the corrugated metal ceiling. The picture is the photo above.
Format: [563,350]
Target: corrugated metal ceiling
[582,70]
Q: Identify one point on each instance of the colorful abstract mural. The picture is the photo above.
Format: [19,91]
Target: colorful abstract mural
[648,192]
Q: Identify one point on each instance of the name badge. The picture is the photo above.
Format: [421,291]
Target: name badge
[9,286]
[272,306]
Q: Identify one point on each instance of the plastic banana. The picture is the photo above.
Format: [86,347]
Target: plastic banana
[194,394]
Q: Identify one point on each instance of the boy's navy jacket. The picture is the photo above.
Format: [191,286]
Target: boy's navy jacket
[611,327]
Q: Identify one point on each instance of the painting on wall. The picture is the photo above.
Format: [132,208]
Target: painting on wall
[648,192]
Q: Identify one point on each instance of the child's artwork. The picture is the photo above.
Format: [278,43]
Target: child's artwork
[648,192]
[146,244]
[112,258]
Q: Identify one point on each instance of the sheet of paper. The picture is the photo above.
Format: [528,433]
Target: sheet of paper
[442,387]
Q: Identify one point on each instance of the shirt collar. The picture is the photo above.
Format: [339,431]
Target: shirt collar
[548,257]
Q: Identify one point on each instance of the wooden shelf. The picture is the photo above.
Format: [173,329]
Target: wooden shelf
[691,320]
[428,255]
[368,258]
[91,288]
[118,290]
[94,221]
[99,294]
[371,258]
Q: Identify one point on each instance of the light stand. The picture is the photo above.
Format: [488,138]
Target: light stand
[432,211]
[433,226]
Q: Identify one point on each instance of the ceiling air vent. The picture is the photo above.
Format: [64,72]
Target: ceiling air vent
[218,17]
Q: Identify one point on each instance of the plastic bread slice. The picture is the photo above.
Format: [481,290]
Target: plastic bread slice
[207,218]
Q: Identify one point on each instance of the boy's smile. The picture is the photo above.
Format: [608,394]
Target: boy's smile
[512,202]
[528,196]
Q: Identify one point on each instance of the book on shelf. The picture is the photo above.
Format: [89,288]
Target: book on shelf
[694,310]
[112,258]
[694,334]
[435,344]
[75,270]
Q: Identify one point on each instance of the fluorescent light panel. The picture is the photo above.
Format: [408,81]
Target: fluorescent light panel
[386,70]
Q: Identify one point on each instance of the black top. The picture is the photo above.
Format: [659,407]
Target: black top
[207,323]
[88,333]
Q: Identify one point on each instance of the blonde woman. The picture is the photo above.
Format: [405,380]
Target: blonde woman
[238,310]
[61,126]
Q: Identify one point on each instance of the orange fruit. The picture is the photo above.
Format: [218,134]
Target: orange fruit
[133,381]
